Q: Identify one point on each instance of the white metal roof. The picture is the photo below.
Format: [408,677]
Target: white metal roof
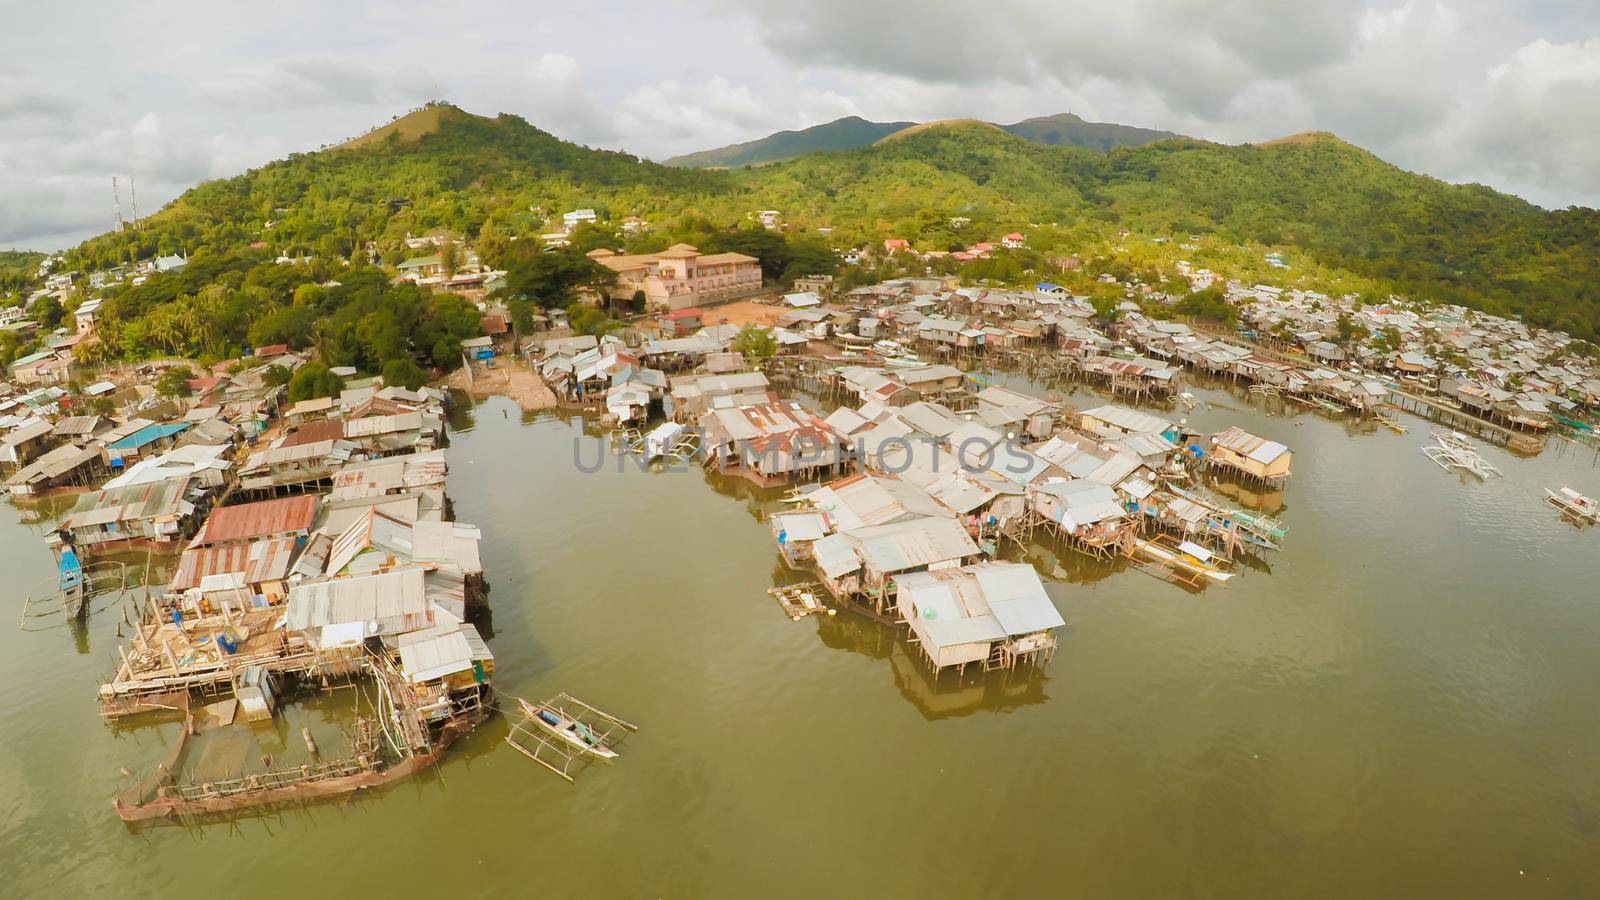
[439,651]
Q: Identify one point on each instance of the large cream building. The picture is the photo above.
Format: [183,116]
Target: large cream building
[681,276]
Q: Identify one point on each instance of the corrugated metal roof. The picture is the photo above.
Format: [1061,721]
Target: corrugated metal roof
[907,545]
[836,557]
[434,653]
[198,563]
[1128,419]
[1017,598]
[979,603]
[25,433]
[78,426]
[453,544]
[270,560]
[54,464]
[316,431]
[1246,444]
[287,515]
[802,526]
[256,561]
[863,500]
[388,602]
[147,435]
[139,501]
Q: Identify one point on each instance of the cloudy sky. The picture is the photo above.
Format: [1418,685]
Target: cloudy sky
[171,93]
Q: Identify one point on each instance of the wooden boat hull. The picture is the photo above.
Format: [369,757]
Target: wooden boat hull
[1180,561]
[1584,509]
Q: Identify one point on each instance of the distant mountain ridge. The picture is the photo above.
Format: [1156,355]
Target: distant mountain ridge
[852,132]
[847,133]
[1072,130]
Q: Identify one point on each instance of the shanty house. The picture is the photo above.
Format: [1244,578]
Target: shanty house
[249,573]
[1254,456]
[770,442]
[65,464]
[155,514]
[1115,421]
[994,613]
[289,517]
[20,445]
[1006,409]
[151,438]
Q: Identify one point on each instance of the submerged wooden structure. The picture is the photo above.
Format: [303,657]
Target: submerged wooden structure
[406,731]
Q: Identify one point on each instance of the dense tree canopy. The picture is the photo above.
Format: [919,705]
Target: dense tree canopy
[313,380]
[553,279]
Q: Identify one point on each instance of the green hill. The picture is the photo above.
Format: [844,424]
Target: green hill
[1337,204]
[18,269]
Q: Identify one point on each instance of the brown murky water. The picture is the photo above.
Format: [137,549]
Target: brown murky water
[1402,705]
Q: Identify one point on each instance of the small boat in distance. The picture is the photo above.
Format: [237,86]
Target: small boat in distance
[1573,505]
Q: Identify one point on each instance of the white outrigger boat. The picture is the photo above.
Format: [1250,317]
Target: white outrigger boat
[1454,451]
[1574,505]
[564,730]
[894,354]
[576,734]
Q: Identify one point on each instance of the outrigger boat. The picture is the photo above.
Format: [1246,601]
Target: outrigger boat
[907,361]
[1258,529]
[576,734]
[564,731]
[1454,451]
[1186,558]
[1574,505]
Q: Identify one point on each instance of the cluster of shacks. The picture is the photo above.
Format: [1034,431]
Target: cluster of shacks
[926,469]
[1336,351]
[912,534]
[322,548]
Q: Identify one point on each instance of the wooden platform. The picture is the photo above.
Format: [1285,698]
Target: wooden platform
[801,600]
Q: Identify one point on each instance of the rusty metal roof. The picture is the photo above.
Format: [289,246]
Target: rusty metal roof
[330,429]
[197,563]
[267,518]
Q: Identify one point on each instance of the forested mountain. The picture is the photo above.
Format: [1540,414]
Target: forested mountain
[1068,129]
[847,133]
[488,180]
[852,132]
